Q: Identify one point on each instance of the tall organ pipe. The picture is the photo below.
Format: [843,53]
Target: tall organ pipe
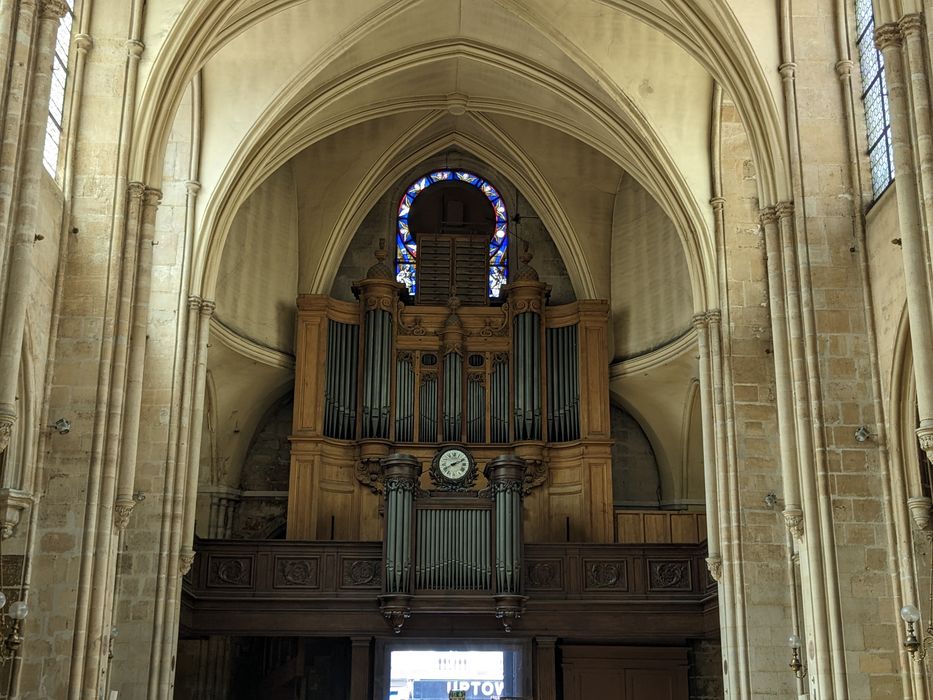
[401,474]
[527,359]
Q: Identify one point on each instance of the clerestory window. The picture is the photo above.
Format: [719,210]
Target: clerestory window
[54,126]
[875,98]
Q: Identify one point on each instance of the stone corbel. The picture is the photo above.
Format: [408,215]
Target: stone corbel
[793,519]
[12,505]
[925,438]
[921,508]
[6,431]
[714,564]
[185,561]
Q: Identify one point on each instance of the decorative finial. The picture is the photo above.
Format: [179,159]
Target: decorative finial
[380,270]
[525,271]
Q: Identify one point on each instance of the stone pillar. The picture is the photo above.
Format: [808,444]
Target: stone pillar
[126,478]
[888,39]
[25,216]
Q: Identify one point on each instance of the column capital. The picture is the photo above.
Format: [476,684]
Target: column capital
[844,67]
[194,302]
[793,519]
[768,215]
[888,36]
[911,25]
[717,203]
[136,190]
[207,308]
[192,187]
[700,320]
[52,9]
[83,42]
[788,70]
[714,564]
[152,197]
[784,210]
[713,316]
[135,48]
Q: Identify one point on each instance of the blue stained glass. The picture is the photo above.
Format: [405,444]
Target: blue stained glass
[407,250]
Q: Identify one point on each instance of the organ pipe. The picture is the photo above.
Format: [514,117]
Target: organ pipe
[401,474]
[527,379]
[404,398]
[377,349]
[340,380]
[563,384]
[453,396]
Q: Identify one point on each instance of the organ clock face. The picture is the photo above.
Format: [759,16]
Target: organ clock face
[453,467]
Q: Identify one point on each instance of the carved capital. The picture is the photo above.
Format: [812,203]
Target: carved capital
[192,187]
[788,70]
[185,560]
[207,308]
[844,68]
[135,190]
[194,302]
[768,215]
[784,210]
[6,431]
[52,9]
[713,317]
[121,513]
[793,519]
[888,36]
[925,439]
[714,564]
[369,473]
[699,321]
[717,203]
[911,25]
[152,197]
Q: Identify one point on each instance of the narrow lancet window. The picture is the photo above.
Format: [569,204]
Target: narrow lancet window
[54,126]
[875,98]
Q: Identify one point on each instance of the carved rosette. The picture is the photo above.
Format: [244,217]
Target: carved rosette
[714,564]
[793,519]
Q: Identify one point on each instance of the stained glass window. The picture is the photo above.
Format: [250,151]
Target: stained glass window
[407,248]
[875,98]
[53,128]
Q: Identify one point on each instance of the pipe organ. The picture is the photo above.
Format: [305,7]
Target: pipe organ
[381,376]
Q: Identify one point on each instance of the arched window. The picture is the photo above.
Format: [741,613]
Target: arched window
[875,98]
[406,261]
[53,129]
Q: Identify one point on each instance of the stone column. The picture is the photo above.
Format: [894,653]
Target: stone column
[714,556]
[888,39]
[126,477]
[25,215]
[793,516]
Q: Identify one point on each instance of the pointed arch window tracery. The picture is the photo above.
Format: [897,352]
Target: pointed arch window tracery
[875,99]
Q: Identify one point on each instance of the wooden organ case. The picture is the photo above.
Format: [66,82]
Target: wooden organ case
[379,377]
